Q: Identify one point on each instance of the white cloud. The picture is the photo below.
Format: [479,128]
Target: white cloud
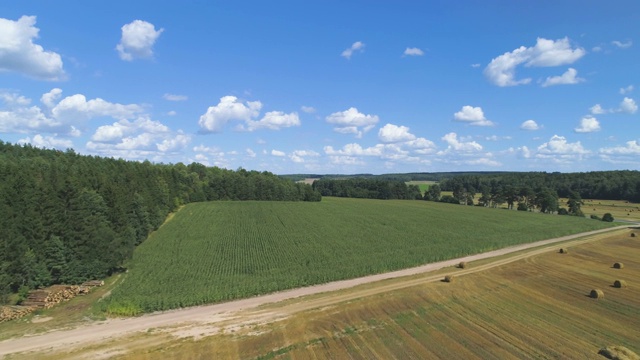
[588,124]
[626,90]
[622,45]
[138,38]
[172,113]
[47,142]
[597,109]
[392,134]
[354,149]
[352,122]
[175,143]
[14,100]
[76,108]
[277,153]
[357,46]
[628,105]
[475,65]
[558,145]
[250,153]
[308,109]
[18,52]
[530,125]
[632,148]
[472,115]
[413,52]
[298,156]
[51,98]
[546,53]
[273,120]
[173,97]
[460,146]
[568,78]
[229,108]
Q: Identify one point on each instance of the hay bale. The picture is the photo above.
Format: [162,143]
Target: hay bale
[463,265]
[597,294]
[633,234]
[618,353]
[564,250]
[618,265]
[448,278]
[620,284]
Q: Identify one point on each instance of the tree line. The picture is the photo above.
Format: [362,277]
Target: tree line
[67,218]
[367,188]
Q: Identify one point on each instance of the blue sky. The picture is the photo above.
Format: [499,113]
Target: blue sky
[328,86]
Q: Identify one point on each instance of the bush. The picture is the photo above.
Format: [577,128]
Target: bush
[563,211]
[607,217]
[522,207]
[595,217]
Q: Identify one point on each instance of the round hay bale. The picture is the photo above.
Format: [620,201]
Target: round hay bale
[620,284]
[448,278]
[564,251]
[618,352]
[633,234]
[618,265]
[597,294]
[462,265]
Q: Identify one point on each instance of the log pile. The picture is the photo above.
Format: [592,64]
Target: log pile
[47,298]
[8,313]
[93,283]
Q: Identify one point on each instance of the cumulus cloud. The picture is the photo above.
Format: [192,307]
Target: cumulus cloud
[47,142]
[357,46]
[299,156]
[122,128]
[458,145]
[51,98]
[588,124]
[308,109]
[19,53]
[351,121]
[568,78]
[138,38]
[76,108]
[558,147]
[597,109]
[622,45]
[14,99]
[392,134]
[273,120]
[530,125]
[472,115]
[626,90]
[278,153]
[628,105]
[631,148]
[173,97]
[501,70]
[413,52]
[229,108]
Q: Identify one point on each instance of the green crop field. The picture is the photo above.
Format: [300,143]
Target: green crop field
[217,251]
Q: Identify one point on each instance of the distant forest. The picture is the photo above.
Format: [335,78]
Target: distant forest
[67,218]
[368,188]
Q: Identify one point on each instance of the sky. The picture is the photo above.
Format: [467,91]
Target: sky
[327,87]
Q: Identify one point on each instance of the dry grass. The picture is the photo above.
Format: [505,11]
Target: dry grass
[618,265]
[597,294]
[620,284]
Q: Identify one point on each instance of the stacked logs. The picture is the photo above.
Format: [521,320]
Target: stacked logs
[47,298]
[8,313]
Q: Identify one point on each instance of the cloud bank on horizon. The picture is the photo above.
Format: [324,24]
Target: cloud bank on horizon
[274,88]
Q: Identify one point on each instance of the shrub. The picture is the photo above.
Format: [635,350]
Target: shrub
[448,278]
[597,294]
[620,284]
[563,211]
[618,265]
[595,217]
[522,207]
[607,217]
[462,265]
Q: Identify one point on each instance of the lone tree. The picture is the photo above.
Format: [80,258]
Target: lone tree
[607,217]
[574,203]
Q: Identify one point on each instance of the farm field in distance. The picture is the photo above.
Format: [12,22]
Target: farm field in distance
[217,251]
[536,307]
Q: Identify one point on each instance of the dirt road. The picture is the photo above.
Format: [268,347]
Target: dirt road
[210,315]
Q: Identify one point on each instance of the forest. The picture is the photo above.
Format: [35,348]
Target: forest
[367,188]
[67,218]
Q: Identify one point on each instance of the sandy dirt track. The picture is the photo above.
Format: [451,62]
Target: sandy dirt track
[211,314]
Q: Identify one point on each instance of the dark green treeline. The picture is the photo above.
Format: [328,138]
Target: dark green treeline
[67,218]
[367,189]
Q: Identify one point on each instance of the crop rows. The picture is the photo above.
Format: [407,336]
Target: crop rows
[218,251]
